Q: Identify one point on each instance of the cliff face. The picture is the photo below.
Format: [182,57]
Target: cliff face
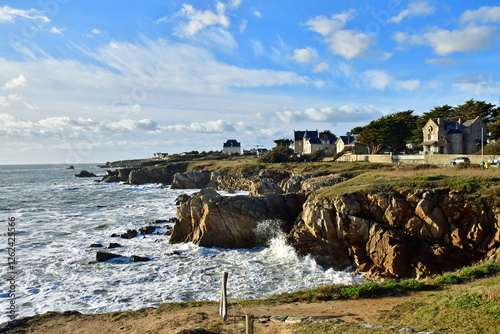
[211,220]
[397,235]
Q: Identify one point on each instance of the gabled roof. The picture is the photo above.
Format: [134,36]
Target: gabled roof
[347,139]
[232,143]
[314,140]
[299,135]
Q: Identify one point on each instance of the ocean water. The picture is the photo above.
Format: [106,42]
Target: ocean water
[57,217]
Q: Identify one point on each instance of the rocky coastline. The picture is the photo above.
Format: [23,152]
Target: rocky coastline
[391,235]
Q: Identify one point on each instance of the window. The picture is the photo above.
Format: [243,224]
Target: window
[429,136]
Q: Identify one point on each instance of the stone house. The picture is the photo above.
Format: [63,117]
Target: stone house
[350,142]
[453,137]
[232,147]
[307,142]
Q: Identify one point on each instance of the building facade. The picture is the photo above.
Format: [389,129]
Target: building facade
[307,142]
[232,147]
[454,137]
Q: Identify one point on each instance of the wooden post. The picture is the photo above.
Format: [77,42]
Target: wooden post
[249,323]
[223,298]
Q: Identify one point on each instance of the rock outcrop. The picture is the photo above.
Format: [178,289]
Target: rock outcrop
[211,220]
[155,174]
[85,173]
[396,235]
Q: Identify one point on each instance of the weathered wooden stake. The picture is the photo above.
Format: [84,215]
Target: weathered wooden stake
[249,324]
[223,298]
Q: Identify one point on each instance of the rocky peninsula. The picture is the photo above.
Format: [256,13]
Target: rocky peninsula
[387,221]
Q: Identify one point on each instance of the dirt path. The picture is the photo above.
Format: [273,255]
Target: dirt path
[166,320]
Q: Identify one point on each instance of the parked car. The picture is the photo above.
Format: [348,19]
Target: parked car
[461,160]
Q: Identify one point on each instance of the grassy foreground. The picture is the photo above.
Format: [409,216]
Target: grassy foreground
[460,302]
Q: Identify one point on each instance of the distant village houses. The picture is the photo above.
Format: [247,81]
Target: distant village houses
[350,142]
[232,147]
[307,142]
[454,137]
[160,155]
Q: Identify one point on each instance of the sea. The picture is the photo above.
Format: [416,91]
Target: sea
[49,218]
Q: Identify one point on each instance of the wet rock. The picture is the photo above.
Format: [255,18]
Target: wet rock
[105,256]
[95,245]
[114,245]
[129,234]
[148,229]
[85,173]
[136,258]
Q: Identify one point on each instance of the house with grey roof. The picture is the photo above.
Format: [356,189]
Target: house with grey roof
[350,142]
[232,147]
[307,142]
[454,137]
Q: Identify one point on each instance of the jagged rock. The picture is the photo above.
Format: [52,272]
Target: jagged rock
[71,167]
[95,245]
[314,183]
[85,173]
[129,234]
[211,220]
[395,234]
[294,183]
[181,199]
[114,245]
[105,256]
[264,186]
[136,258]
[191,180]
[148,229]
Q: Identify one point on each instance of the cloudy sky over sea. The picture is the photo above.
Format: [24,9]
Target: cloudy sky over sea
[93,81]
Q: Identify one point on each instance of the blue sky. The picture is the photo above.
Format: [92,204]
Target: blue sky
[95,81]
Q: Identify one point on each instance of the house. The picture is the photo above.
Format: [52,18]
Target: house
[307,142]
[454,137]
[351,143]
[232,147]
[160,155]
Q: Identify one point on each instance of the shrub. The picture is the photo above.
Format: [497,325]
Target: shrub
[278,154]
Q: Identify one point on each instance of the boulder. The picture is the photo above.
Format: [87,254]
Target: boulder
[183,198]
[129,234]
[264,186]
[211,220]
[105,256]
[191,180]
[85,173]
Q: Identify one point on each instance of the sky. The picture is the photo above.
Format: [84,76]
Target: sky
[96,81]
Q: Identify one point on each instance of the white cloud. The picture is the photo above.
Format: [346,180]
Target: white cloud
[8,14]
[201,127]
[199,19]
[445,42]
[476,84]
[235,3]
[20,81]
[401,37]
[484,14]
[441,61]
[346,43]
[321,67]
[341,114]
[14,97]
[3,102]
[55,30]
[96,31]
[415,8]
[380,80]
[257,14]
[243,25]
[304,55]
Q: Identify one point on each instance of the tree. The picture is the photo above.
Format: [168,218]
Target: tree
[327,133]
[278,154]
[392,131]
[357,130]
[283,142]
[472,109]
[494,129]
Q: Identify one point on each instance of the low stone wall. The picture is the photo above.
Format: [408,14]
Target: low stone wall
[433,159]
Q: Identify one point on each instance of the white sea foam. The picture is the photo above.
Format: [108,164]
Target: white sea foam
[58,216]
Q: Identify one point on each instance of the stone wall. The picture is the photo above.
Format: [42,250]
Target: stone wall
[433,159]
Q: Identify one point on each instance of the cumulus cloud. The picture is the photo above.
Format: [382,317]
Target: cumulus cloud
[340,114]
[380,80]
[96,31]
[441,61]
[55,30]
[199,19]
[8,14]
[476,84]
[484,14]
[304,55]
[346,43]
[3,102]
[20,81]
[202,127]
[415,8]
[257,14]
[321,67]
[445,42]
